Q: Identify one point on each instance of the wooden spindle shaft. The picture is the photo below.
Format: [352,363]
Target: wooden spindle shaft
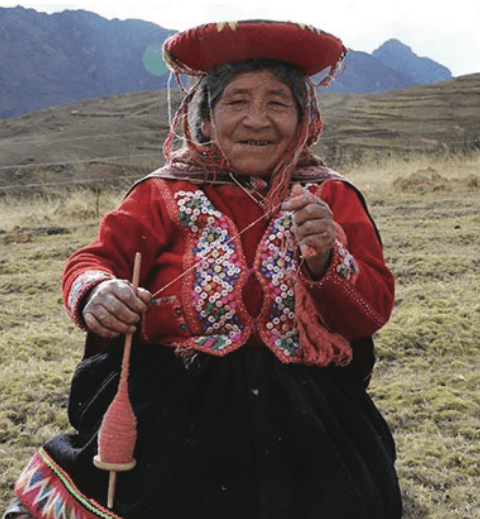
[113,468]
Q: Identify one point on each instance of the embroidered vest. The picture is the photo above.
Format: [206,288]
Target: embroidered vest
[216,273]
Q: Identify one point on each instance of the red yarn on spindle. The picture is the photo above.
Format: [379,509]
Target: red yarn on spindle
[118,432]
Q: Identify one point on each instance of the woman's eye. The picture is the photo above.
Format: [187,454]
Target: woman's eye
[277,103]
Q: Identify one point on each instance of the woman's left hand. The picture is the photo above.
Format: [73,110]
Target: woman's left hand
[313,228]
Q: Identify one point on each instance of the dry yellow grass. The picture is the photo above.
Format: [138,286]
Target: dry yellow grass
[428,372]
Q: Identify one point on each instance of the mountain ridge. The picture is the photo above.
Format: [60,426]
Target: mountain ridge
[401,57]
[59,58]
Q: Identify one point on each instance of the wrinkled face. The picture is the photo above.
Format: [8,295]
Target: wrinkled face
[253,122]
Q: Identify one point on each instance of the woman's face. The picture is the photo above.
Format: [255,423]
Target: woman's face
[253,122]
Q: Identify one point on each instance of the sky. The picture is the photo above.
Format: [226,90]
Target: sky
[446,32]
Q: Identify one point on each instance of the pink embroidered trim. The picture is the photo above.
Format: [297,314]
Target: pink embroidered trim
[212,291]
[276,262]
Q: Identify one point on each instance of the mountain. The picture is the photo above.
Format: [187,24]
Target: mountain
[393,65]
[362,74]
[54,59]
[400,57]
[47,60]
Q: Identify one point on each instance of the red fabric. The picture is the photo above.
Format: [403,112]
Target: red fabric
[141,223]
[203,48]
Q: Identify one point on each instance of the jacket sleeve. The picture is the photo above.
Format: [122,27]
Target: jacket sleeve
[132,227]
[355,297]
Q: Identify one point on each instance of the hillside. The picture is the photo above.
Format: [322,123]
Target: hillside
[47,60]
[123,135]
[441,117]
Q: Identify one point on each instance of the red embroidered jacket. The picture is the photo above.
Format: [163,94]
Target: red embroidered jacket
[238,282]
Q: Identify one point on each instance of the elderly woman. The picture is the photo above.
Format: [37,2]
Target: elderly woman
[262,281]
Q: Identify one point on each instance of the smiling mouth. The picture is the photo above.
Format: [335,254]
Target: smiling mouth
[256,143]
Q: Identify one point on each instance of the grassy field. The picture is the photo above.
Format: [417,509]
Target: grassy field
[427,377]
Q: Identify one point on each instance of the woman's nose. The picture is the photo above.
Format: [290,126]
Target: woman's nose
[256,116]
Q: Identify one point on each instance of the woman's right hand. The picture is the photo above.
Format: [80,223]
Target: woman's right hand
[113,308]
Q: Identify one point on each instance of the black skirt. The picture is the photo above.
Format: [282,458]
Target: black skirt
[243,436]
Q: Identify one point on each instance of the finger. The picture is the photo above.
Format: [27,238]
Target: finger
[110,304]
[124,292]
[319,226]
[300,196]
[99,328]
[296,193]
[312,213]
[320,242]
[145,296]
[297,190]
[316,236]
[299,202]
[117,318]
[313,248]
[308,206]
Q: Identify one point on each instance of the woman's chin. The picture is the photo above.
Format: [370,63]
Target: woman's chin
[252,170]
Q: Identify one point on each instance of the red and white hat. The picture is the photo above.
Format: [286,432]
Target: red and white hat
[199,50]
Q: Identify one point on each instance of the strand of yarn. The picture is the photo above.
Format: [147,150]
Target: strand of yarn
[209,251]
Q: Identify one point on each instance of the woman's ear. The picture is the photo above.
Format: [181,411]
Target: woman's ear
[206,127]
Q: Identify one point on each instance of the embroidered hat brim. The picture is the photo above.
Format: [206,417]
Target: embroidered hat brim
[201,49]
